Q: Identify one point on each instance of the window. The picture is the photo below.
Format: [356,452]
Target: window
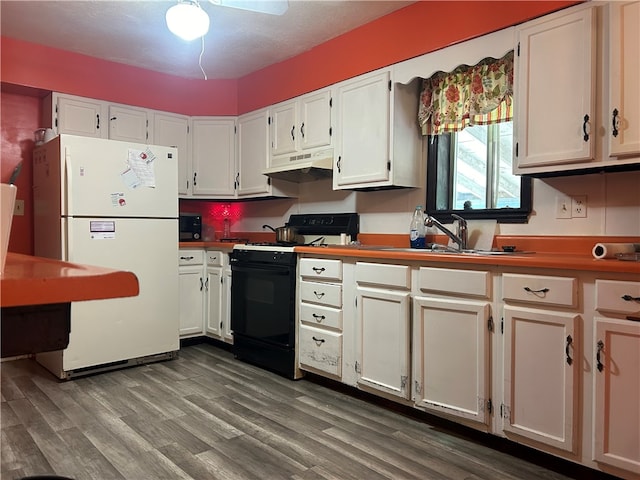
[466,115]
[470,171]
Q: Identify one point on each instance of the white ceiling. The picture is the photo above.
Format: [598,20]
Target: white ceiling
[134,32]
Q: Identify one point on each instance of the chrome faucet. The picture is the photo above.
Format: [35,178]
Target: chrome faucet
[461,235]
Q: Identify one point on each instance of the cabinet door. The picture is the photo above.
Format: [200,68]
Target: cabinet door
[284,128]
[541,355]
[451,357]
[84,117]
[315,120]
[253,154]
[227,333]
[616,369]
[191,300]
[213,157]
[383,326]
[213,292]
[172,130]
[623,117]
[363,120]
[555,91]
[128,124]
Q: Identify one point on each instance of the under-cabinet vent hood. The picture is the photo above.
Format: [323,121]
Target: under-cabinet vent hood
[305,167]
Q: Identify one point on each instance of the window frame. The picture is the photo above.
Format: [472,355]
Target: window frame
[443,169]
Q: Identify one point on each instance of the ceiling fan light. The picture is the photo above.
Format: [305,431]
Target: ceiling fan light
[187,20]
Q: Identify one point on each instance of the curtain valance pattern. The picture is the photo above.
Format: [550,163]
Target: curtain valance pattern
[469,95]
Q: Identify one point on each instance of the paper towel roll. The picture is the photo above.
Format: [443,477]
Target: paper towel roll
[609,250]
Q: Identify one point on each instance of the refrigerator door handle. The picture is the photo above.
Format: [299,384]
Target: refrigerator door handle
[68,176]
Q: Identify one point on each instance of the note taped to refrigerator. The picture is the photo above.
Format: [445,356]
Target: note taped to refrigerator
[141,163]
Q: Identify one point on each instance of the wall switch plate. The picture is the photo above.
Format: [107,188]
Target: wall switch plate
[563,206]
[579,206]
[18,208]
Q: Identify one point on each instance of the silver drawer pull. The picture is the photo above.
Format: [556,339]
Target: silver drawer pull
[530,290]
[629,298]
[318,294]
[318,270]
[319,341]
[319,318]
[186,258]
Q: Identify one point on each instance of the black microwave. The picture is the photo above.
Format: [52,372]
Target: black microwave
[190,227]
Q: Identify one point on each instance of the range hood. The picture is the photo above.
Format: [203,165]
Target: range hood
[305,167]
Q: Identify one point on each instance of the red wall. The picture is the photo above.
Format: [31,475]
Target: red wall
[414,30]
[19,115]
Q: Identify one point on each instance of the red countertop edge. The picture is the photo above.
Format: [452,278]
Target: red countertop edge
[29,280]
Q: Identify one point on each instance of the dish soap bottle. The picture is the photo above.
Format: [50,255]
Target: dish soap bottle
[417,229]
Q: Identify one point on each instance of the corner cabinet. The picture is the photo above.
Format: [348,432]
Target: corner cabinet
[452,325]
[378,141]
[555,90]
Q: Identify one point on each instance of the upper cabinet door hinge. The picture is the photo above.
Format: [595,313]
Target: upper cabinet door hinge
[357,368]
[489,406]
[403,382]
[490,325]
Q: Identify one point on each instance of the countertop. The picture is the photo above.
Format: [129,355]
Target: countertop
[29,280]
[557,252]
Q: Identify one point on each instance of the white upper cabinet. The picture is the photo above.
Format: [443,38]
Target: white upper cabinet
[301,124]
[129,124]
[213,144]
[378,141]
[623,114]
[77,116]
[172,130]
[554,90]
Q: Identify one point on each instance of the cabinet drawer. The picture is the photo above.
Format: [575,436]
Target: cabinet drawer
[321,316]
[320,350]
[618,297]
[190,257]
[453,281]
[383,275]
[321,268]
[322,293]
[538,289]
[215,258]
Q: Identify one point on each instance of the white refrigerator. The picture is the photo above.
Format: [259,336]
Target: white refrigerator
[112,204]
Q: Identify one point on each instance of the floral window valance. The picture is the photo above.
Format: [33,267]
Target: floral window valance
[477,95]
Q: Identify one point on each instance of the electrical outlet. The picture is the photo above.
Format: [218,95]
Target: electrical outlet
[579,206]
[18,208]
[563,206]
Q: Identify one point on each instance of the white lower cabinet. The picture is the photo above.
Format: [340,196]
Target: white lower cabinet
[452,324]
[616,372]
[383,324]
[542,357]
[190,267]
[205,292]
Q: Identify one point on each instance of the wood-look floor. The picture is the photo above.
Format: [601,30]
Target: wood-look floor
[206,415]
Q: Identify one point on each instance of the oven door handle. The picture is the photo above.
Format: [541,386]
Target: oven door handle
[275,269]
